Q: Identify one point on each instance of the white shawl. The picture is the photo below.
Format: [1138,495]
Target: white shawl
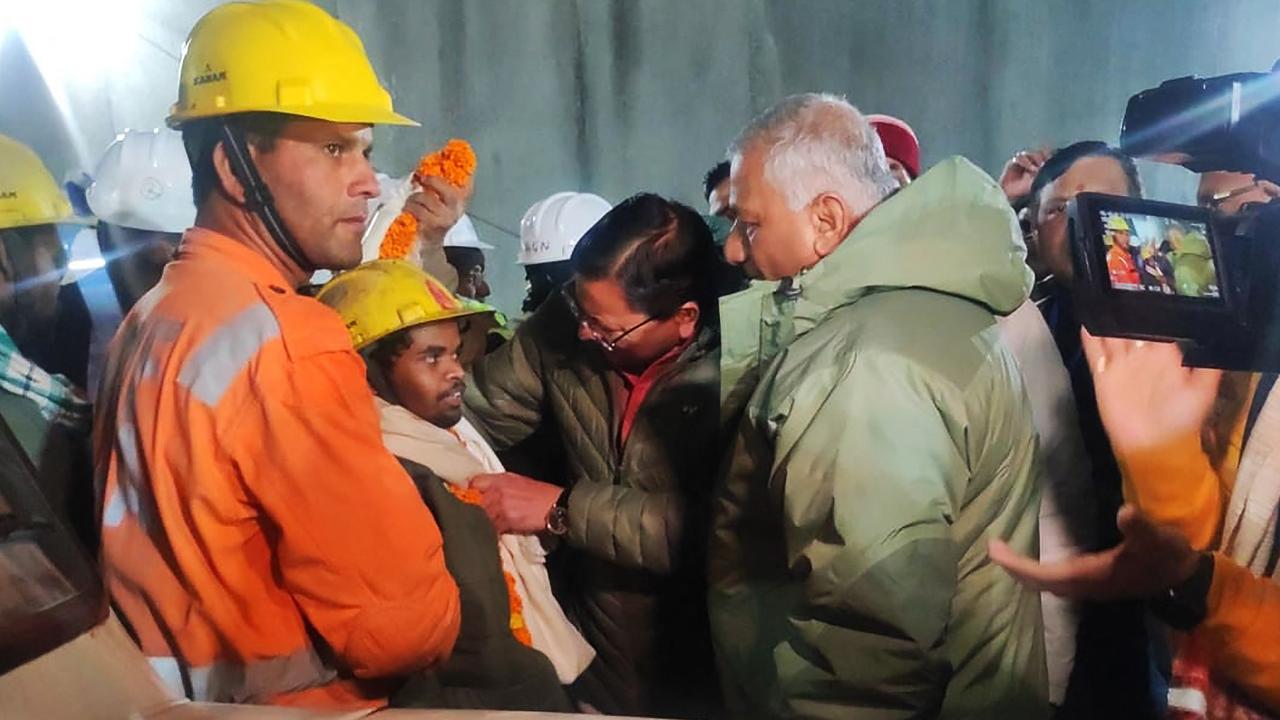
[456,455]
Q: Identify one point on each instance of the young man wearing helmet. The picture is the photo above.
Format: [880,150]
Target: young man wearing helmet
[416,337]
[47,413]
[464,250]
[548,233]
[258,538]
[47,320]
[141,195]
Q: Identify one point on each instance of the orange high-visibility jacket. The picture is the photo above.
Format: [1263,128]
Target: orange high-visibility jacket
[257,537]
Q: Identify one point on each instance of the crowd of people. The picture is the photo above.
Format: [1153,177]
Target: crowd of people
[833,446]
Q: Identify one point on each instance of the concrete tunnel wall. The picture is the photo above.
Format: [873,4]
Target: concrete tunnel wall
[617,96]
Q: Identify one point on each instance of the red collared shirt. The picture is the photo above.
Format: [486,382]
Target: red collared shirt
[632,390]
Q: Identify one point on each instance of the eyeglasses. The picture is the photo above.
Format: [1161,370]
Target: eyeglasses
[569,292]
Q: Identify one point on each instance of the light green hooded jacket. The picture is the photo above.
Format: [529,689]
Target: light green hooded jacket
[883,437]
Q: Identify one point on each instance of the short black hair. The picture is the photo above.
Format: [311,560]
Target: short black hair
[660,251]
[1062,159]
[384,352]
[201,138]
[714,177]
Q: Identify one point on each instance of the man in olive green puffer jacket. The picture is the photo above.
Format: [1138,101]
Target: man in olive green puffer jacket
[623,366]
[884,436]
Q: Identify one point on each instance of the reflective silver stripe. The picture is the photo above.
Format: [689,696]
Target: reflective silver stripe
[256,682]
[127,497]
[113,510]
[215,364]
[127,445]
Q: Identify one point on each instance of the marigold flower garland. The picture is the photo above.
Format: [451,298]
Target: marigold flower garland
[514,603]
[455,163]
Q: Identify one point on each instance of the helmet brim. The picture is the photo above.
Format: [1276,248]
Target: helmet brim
[464,313]
[72,220]
[357,114]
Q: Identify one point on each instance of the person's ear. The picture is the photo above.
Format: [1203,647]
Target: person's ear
[686,318]
[832,221]
[228,182]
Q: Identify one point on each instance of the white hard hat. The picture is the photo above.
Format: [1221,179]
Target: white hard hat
[463,235]
[552,227]
[144,182]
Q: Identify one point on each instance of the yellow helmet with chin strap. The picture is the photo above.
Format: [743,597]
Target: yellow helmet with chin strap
[283,56]
[28,193]
[273,56]
[381,297]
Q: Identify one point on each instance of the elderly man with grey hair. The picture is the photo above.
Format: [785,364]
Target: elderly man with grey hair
[881,436]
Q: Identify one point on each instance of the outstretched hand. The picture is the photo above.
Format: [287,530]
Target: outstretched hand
[1149,560]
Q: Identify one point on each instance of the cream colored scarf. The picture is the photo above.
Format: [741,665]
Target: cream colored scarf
[456,455]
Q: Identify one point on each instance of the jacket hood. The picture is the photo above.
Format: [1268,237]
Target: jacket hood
[951,231]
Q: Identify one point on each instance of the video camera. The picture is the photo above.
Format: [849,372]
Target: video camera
[1160,271]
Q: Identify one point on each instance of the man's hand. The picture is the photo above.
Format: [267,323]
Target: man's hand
[1146,398]
[1149,560]
[437,207]
[515,503]
[1021,171]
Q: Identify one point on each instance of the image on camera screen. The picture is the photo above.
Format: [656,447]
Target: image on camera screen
[1153,254]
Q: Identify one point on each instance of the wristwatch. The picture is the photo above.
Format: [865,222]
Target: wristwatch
[1184,606]
[558,515]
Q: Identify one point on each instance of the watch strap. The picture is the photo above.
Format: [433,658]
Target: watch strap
[1185,605]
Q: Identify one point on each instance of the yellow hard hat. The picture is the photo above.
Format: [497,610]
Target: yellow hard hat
[1115,222]
[285,56]
[383,296]
[28,193]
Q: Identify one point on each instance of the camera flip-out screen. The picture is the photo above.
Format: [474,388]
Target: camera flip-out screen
[1148,269]
[1154,254]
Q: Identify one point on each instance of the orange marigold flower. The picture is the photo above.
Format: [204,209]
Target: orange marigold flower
[465,494]
[515,606]
[456,164]
[399,238]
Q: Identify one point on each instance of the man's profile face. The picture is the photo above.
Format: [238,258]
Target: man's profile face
[320,176]
[769,239]
[604,313]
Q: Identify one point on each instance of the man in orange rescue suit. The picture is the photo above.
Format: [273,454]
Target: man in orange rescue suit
[257,537]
